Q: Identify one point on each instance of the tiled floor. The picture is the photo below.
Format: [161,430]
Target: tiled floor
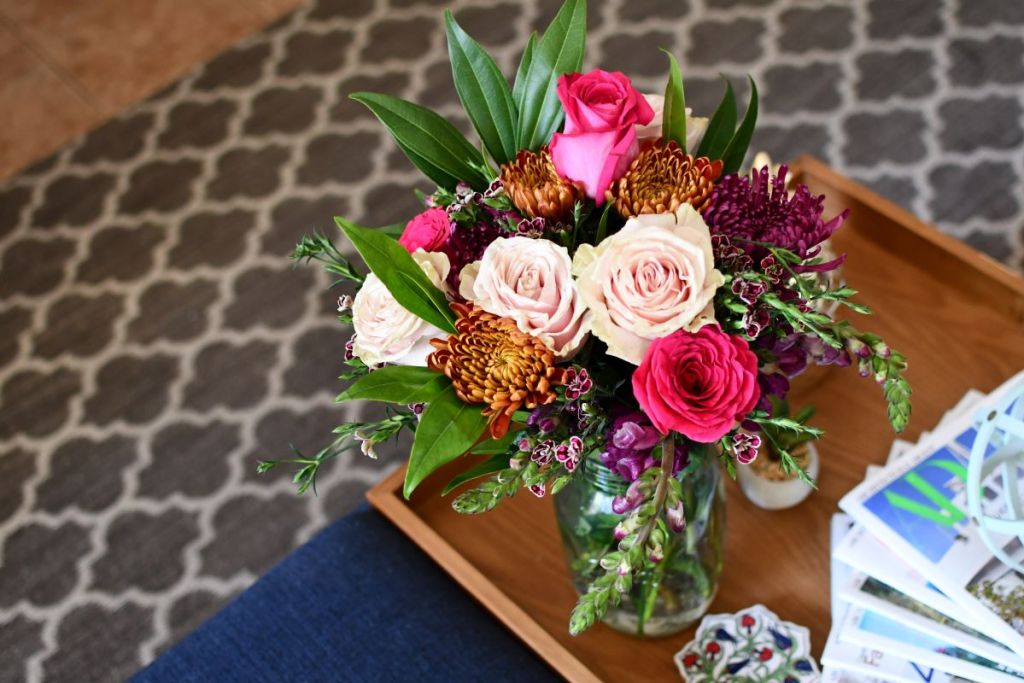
[68,65]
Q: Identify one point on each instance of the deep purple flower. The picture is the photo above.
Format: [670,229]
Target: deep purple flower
[544,419]
[538,414]
[569,453]
[543,452]
[823,354]
[747,290]
[494,189]
[758,208]
[755,321]
[634,436]
[635,496]
[629,446]
[548,425]
[793,352]
[577,383]
[531,227]
[583,413]
[772,384]
[467,244]
[745,447]
[790,355]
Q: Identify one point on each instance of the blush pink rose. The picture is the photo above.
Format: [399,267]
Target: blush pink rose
[654,276]
[602,111]
[699,384]
[530,281]
[428,231]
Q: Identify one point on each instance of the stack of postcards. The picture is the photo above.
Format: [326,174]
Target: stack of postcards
[917,593]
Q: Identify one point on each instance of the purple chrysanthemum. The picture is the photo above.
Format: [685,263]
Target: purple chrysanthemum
[757,208]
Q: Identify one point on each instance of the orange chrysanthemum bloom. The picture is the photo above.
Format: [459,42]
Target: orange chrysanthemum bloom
[534,186]
[490,361]
[661,179]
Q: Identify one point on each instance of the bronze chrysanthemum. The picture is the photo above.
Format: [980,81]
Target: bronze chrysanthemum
[534,186]
[491,362]
[662,178]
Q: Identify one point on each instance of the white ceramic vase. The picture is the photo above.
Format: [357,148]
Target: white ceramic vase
[778,495]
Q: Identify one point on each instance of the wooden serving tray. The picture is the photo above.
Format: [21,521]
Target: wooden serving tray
[956,314]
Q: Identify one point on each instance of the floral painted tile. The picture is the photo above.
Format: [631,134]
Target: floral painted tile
[747,647]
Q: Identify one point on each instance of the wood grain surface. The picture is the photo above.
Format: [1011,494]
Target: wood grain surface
[959,318]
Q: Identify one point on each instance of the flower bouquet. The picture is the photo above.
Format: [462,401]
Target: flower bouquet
[593,300]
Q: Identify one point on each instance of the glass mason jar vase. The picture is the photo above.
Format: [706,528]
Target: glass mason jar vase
[679,589]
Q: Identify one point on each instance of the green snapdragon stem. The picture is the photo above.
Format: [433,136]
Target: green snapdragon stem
[649,591]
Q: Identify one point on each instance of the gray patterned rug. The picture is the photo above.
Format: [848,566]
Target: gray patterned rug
[154,339]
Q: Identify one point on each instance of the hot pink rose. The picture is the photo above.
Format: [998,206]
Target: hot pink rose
[698,384]
[602,111]
[428,231]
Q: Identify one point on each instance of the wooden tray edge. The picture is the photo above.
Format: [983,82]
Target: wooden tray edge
[989,267]
[387,498]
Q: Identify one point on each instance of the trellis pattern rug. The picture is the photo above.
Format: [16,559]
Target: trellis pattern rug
[155,341]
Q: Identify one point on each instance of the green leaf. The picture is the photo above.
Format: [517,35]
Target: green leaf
[484,92]
[673,125]
[804,414]
[737,149]
[495,463]
[721,126]
[432,144]
[558,52]
[400,274]
[602,224]
[519,87]
[394,230]
[492,446]
[447,429]
[397,384]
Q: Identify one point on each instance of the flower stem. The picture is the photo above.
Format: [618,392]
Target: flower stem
[668,448]
[649,587]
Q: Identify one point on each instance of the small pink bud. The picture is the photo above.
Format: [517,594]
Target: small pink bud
[676,518]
